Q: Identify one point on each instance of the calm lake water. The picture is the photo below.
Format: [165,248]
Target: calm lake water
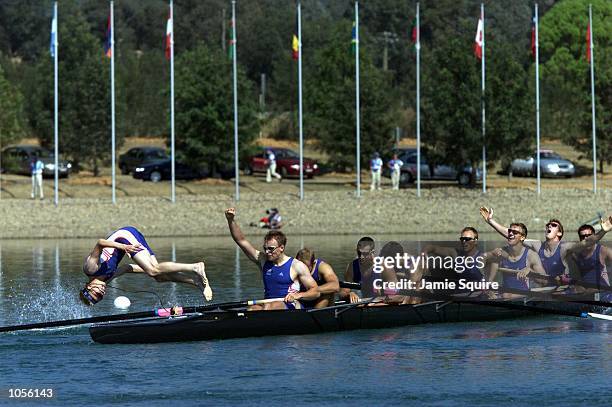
[543,360]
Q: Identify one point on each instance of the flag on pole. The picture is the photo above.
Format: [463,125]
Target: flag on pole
[478,39]
[588,39]
[295,43]
[53,34]
[533,35]
[413,34]
[169,35]
[109,36]
[354,39]
[232,41]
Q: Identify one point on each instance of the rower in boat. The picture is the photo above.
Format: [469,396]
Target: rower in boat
[282,275]
[552,251]
[102,265]
[591,264]
[324,275]
[361,270]
[517,257]
[473,261]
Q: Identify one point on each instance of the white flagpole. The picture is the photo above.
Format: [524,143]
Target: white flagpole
[55,105]
[172,156]
[594,129]
[418,98]
[484,148]
[537,66]
[357,101]
[235,74]
[112,41]
[299,15]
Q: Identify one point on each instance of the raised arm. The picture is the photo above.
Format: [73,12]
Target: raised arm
[487,215]
[331,285]
[606,226]
[246,247]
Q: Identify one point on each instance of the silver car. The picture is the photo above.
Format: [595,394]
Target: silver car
[551,165]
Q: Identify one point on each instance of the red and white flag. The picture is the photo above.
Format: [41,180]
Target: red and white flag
[169,36]
[478,41]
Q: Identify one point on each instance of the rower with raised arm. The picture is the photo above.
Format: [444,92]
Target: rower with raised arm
[591,263]
[553,253]
[517,257]
[324,275]
[282,275]
[102,265]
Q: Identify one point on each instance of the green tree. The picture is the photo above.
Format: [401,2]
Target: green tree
[11,109]
[565,75]
[451,105]
[329,106]
[84,96]
[205,110]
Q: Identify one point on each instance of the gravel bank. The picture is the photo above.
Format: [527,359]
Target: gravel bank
[440,210]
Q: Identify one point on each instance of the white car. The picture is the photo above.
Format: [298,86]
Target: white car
[551,164]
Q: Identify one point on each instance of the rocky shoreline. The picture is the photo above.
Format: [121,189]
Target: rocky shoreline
[441,210]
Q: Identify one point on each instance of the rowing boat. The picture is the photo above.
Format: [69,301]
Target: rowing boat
[239,323]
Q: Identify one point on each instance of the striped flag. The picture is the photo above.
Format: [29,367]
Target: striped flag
[169,35]
[109,36]
[588,40]
[53,34]
[353,38]
[232,41]
[295,43]
[478,40]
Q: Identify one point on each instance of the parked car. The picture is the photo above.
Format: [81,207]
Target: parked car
[17,159]
[138,156]
[441,172]
[287,163]
[156,171]
[551,164]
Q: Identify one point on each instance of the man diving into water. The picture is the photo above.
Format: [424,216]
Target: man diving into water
[102,265]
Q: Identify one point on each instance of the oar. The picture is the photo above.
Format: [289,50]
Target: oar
[134,315]
[564,298]
[552,280]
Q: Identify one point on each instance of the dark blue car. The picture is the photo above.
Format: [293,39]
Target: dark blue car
[156,171]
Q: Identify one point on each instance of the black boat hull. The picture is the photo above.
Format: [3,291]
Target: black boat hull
[239,324]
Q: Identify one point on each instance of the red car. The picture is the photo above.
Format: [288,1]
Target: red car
[287,163]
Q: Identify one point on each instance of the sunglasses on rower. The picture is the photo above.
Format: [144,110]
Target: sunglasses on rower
[513,232]
[467,239]
[584,235]
[364,253]
[552,225]
[270,249]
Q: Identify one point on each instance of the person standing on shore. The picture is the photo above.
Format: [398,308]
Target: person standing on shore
[282,275]
[271,172]
[36,168]
[395,165]
[376,164]
[102,265]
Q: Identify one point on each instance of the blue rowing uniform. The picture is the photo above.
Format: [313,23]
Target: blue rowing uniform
[511,281]
[317,278]
[111,257]
[473,273]
[277,280]
[553,265]
[590,268]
